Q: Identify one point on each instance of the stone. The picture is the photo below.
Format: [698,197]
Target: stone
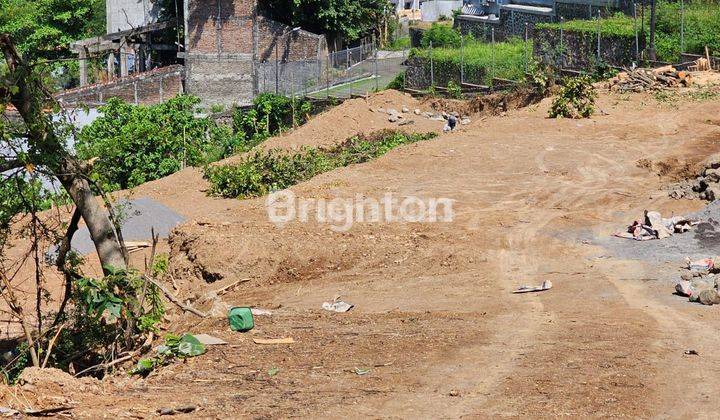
[405,110]
[712,175]
[686,276]
[712,193]
[392,111]
[709,297]
[418,112]
[381,110]
[465,121]
[393,118]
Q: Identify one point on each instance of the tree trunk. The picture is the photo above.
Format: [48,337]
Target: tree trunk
[30,100]
[653,21]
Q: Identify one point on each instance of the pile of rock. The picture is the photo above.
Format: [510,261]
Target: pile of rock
[705,187]
[397,117]
[642,79]
[700,282]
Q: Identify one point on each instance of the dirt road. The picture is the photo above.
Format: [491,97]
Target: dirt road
[435,322]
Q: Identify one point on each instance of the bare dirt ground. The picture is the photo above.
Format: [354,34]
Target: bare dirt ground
[435,322]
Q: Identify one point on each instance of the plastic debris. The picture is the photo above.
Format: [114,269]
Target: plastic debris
[241,319]
[288,340]
[546,285]
[337,306]
[654,226]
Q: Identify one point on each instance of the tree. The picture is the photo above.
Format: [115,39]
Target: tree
[22,86]
[344,19]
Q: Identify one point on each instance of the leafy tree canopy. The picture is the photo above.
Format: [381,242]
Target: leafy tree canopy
[44,29]
[348,19]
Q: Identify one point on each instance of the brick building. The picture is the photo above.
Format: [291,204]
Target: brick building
[228,48]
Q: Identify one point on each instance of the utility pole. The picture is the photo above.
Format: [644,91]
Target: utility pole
[653,20]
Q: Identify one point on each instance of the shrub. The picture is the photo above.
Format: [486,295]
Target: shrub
[398,82]
[576,99]
[264,172]
[454,90]
[137,144]
[270,114]
[441,36]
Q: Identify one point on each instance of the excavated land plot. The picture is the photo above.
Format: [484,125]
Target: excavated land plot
[435,322]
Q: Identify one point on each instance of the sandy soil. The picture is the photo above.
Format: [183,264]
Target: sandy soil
[435,322]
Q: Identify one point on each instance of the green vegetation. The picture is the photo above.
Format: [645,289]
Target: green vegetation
[441,36]
[702,27]
[576,99]
[274,170]
[347,20]
[399,44]
[454,90]
[175,347]
[504,60]
[138,144]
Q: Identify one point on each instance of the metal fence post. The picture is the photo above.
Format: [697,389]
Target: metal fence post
[462,60]
[527,59]
[682,26]
[277,70]
[492,51]
[377,71]
[598,36]
[327,77]
[432,66]
[561,51]
[347,57]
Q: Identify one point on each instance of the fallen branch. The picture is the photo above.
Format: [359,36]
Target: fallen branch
[230,286]
[174,298]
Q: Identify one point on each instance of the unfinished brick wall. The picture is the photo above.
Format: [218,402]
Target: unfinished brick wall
[227,40]
[141,89]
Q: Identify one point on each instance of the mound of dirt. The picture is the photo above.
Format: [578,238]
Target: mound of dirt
[353,117]
[47,389]
[493,104]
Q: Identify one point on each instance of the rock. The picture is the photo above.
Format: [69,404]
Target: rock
[712,175]
[418,112]
[712,193]
[392,111]
[709,297]
[393,118]
[381,110]
[686,276]
[405,110]
[465,121]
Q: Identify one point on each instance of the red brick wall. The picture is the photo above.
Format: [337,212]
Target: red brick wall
[226,26]
[148,88]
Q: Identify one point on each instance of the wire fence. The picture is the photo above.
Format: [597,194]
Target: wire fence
[353,71]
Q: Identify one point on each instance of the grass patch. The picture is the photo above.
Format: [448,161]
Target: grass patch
[505,60]
[266,171]
[702,27]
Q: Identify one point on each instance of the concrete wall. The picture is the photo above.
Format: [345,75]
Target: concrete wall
[127,14]
[227,41]
[141,89]
[432,10]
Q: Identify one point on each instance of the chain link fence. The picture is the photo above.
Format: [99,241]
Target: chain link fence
[352,71]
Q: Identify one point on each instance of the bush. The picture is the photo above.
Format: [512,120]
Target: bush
[576,99]
[270,114]
[398,82]
[454,90]
[137,144]
[264,172]
[441,36]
